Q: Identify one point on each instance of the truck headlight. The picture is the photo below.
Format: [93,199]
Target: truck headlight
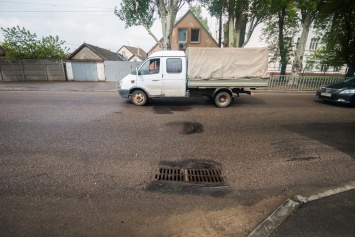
[120,84]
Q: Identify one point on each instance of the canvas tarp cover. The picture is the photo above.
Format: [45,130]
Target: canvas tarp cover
[227,63]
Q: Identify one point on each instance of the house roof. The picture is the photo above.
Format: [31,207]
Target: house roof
[105,54]
[178,22]
[135,51]
[138,56]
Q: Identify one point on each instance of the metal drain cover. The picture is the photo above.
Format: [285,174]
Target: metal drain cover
[190,175]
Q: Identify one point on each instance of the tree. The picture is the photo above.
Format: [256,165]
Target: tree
[196,10]
[280,30]
[308,12]
[258,13]
[20,43]
[216,9]
[337,21]
[145,12]
[243,17]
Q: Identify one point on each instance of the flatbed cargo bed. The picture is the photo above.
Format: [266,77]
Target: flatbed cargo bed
[241,82]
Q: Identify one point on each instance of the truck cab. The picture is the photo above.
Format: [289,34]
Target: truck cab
[163,74]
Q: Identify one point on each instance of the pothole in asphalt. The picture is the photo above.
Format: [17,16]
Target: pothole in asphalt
[169,110]
[185,127]
[180,108]
[162,110]
[308,158]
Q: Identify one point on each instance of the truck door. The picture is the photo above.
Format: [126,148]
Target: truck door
[174,77]
[150,77]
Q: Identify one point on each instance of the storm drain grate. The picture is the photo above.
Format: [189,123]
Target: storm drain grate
[190,175]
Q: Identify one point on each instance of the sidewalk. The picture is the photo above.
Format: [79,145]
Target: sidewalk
[58,86]
[326,213]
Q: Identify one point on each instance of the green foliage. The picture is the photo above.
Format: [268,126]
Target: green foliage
[144,13]
[21,43]
[337,22]
[271,36]
[279,31]
[214,7]
[138,12]
[196,10]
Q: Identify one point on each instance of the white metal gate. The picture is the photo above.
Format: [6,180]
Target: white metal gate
[85,71]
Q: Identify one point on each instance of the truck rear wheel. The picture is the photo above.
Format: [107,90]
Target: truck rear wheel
[139,97]
[222,99]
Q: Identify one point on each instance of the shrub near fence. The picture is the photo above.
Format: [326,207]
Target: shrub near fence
[307,83]
[32,70]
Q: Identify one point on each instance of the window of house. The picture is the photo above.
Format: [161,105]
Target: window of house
[195,36]
[182,35]
[314,44]
[173,65]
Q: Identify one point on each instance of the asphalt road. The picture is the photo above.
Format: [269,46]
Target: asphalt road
[83,163]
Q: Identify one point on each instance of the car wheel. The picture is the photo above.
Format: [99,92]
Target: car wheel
[139,97]
[223,99]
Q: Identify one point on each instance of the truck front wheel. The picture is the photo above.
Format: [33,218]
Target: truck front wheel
[139,97]
[222,99]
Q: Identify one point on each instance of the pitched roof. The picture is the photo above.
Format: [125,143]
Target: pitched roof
[135,51]
[178,22]
[138,56]
[105,54]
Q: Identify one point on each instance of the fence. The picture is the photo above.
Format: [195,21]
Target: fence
[116,70]
[32,70]
[306,83]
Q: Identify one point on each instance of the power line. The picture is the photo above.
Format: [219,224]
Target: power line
[53,5]
[53,11]
[41,16]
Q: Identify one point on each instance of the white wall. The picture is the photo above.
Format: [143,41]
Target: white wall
[101,71]
[69,69]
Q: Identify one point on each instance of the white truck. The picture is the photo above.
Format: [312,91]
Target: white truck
[218,73]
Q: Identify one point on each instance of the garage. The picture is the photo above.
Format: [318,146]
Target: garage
[87,63]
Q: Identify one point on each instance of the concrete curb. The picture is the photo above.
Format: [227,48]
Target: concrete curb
[290,205]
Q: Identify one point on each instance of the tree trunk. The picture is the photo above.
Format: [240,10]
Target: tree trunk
[242,32]
[283,61]
[252,24]
[231,30]
[351,69]
[238,28]
[306,25]
[168,16]
[220,31]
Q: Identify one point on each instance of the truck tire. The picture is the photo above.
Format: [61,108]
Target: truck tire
[222,99]
[139,97]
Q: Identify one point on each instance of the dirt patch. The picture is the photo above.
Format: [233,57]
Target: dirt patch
[235,221]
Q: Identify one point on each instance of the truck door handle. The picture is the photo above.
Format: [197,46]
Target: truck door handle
[156,80]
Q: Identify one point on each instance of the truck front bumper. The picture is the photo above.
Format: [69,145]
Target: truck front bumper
[123,93]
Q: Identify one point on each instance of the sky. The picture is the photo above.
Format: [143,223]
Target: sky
[79,21]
